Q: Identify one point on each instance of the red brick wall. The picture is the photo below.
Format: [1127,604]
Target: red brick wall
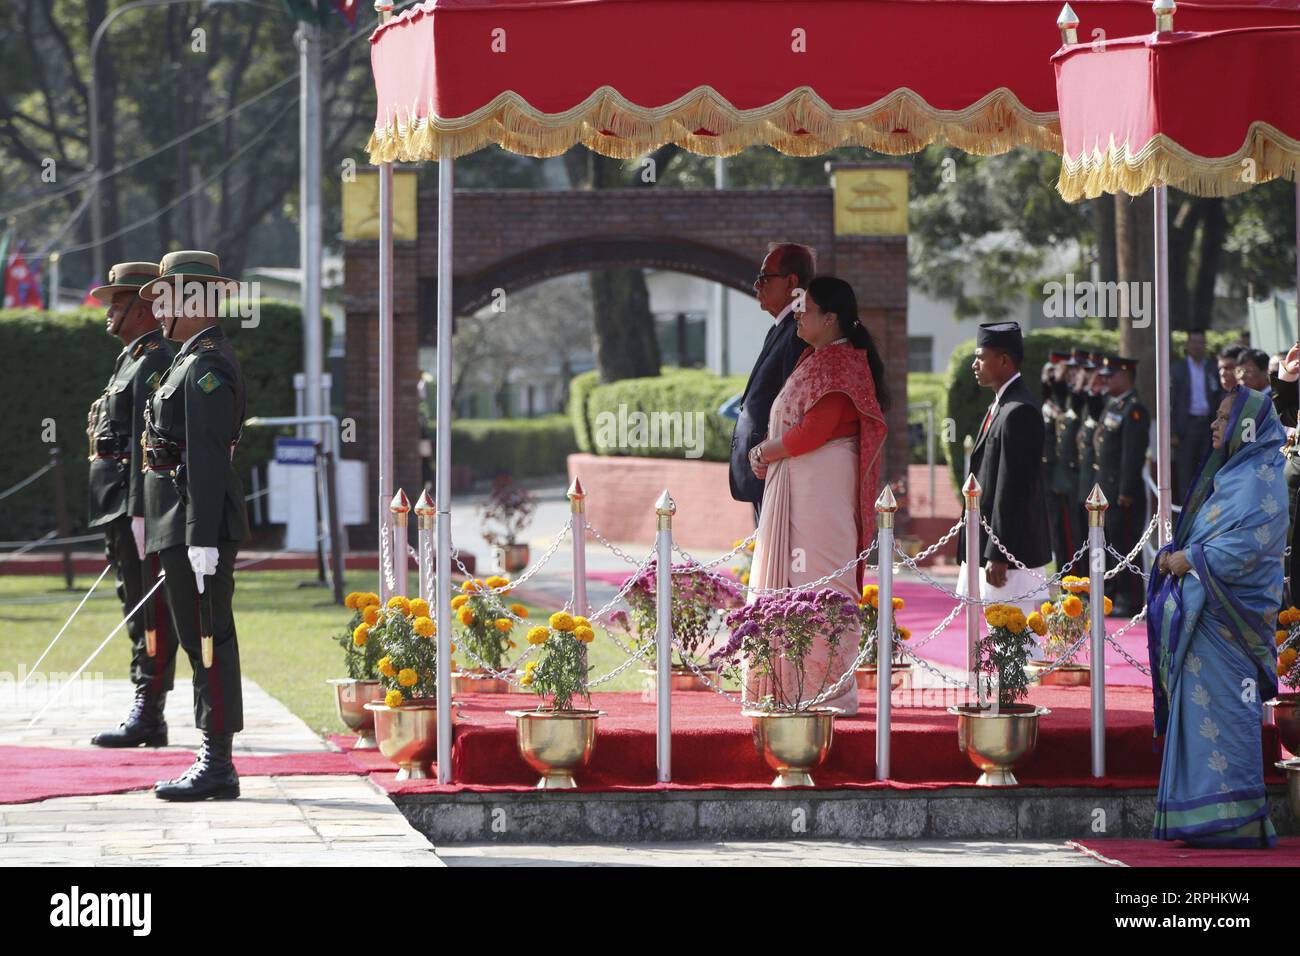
[622,491]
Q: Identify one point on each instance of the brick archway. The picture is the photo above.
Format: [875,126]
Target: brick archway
[474,291]
[511,238]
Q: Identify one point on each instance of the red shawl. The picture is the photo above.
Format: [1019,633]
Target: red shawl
[843,368]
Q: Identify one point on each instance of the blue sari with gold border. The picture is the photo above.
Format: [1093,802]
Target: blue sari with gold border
[1210,637]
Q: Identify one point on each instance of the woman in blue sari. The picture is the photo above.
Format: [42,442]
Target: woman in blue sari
[1213,598]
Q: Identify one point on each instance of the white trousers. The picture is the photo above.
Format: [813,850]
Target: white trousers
[1028,586]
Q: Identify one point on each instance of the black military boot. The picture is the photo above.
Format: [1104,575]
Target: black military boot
[144,725]
[211,777]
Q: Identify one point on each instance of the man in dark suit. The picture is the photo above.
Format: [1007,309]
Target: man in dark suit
[1286,399]
[786,271]
[1194,395]
[1007,462]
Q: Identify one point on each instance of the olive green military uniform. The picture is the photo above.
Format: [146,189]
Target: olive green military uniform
[1064,482]
[116,423]
[194,424]
[1122,438]
[1051,413]
[1087,454]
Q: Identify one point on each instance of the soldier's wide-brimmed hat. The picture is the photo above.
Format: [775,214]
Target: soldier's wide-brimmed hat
[1115,363]
[188,265]
[126,277]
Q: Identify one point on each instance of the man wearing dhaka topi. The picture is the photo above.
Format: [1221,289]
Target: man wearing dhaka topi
[1007,463]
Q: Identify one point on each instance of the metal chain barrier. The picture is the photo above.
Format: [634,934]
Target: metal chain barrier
[1112,640]
[28,546]
[26,481]
[810,585]
[610,545]
[931,669]
[720,560]
[940,586]
[947,536]
[942,626]
[537,566]
[1055,579]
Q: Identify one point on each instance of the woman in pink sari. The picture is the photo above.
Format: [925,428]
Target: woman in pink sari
[821,462]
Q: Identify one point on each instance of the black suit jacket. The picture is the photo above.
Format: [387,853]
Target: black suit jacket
[1286,400]
[780,353]
[1180,392]
[1007,462]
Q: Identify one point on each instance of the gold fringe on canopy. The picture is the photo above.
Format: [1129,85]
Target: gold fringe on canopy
[800,124]
[1266,154]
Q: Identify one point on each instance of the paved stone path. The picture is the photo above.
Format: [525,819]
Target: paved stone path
[784,853]
[277,821]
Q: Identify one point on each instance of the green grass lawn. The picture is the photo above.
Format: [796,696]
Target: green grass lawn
[284,636]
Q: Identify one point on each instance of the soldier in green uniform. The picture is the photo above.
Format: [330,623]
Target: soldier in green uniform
[1056,391]
[114,427]
[1094,402]
[193,425]
[1122,439]
[1065,475]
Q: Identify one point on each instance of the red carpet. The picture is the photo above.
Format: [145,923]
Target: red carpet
[1162,853]
[39,773]
[925,608]
[713,748]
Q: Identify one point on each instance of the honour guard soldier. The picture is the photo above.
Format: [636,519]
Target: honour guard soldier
[114,426]
[1094,402]
[1056,391]
[192,427]
[1065,476]
[1122,438]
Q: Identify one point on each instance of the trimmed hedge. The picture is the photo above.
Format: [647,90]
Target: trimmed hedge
[520,447]
[61,362]
[926,387]
[597,414]
[968,402]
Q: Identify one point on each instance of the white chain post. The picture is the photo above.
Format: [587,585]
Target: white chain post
[424,512]
[400,507]
[1097,505]
[971,492]
[578,516]
[886,506]
[665,508]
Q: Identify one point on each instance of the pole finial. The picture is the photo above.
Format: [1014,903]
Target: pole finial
[1068,23]
[400,504]
[971,489]
[1164,11]
[665,508]
[384,9]
[425,510]
[1096,504]
[886,507]
[968,444]
[577,496]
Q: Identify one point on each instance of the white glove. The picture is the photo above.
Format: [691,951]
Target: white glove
[203,561]
[137,532]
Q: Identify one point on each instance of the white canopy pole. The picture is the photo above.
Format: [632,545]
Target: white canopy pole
[442,490]
[385,370]
[1164,12]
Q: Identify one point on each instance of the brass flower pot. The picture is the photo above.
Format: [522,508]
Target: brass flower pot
[463,683]
[351,697]
[556,743]
[408,735]
[1292,770]
[900,676]
[996,741]
[512,558]
[1287,721]
[793,744]
[1067,675]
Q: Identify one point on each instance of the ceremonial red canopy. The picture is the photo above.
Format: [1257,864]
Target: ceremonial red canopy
[715,76]
[1210,113]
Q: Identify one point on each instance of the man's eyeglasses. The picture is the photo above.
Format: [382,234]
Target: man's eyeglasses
[764,276]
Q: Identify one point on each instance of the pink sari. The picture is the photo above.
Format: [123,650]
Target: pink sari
[817,508]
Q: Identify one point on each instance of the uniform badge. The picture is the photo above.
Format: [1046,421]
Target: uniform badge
[208,383]
[153,380]
[207,345]
[1137,416]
